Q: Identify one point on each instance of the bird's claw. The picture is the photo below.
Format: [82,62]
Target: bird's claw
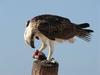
[52,60]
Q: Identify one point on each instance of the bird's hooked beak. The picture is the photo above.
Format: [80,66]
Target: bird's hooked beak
[32,41]
[32,44]
[29,37]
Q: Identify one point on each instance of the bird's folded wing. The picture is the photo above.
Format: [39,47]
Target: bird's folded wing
[55,29]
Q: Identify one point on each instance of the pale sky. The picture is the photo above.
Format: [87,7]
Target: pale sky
[79,58]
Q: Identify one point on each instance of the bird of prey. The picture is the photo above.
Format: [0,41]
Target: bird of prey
[49,28]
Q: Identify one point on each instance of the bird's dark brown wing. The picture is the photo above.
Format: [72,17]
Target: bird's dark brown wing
[56,29]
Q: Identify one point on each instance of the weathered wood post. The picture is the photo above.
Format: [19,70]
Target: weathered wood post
[42,67]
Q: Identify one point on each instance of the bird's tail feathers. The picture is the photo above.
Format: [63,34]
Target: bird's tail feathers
[84,34]
[83,25]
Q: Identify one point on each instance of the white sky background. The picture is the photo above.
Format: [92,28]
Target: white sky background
[80,58]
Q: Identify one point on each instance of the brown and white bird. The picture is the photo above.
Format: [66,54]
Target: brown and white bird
[50,28]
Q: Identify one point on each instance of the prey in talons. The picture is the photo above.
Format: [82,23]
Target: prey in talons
[39,55]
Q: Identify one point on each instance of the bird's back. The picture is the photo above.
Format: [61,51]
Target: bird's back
[52,18]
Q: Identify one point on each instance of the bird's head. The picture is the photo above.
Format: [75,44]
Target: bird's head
[29,34]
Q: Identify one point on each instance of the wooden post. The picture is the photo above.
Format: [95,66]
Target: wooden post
[44,68]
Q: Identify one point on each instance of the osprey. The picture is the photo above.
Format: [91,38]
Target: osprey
[49,28]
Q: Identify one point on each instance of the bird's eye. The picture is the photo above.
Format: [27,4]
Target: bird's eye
[27,23]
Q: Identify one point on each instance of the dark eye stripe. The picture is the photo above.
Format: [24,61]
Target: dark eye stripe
[27,23]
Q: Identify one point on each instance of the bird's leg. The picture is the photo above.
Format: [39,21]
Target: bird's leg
[43,46]
[50,45]
[39,52]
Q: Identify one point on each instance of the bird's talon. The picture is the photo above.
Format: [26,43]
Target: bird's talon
[52,60]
